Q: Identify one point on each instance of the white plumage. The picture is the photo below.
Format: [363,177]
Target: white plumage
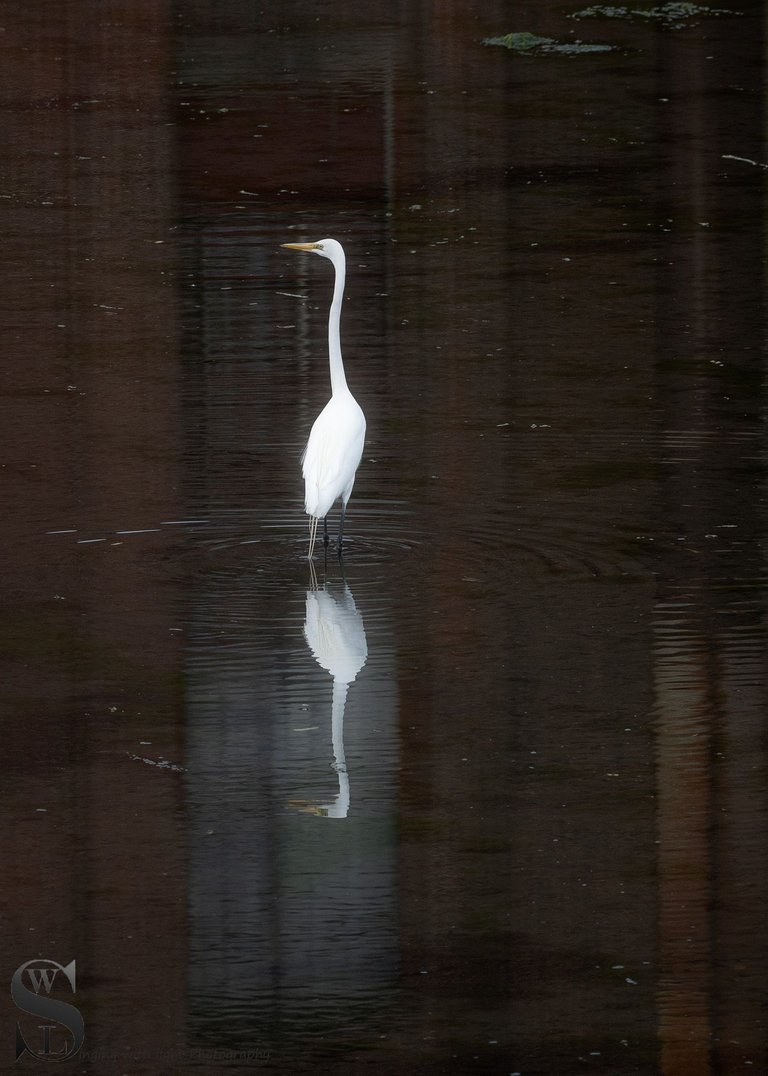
[335,445]
[333,454]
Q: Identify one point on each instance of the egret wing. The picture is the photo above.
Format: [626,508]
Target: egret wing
[332,455]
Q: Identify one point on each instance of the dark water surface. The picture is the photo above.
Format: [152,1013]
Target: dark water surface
[494,799]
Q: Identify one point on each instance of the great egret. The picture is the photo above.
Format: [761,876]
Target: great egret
[335,444]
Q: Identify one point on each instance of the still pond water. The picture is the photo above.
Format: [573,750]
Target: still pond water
[513,817]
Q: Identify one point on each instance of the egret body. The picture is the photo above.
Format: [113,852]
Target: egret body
[335,444]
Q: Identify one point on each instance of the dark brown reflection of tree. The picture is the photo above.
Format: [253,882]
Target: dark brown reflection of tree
[684,797]
[709,633]
[92,867]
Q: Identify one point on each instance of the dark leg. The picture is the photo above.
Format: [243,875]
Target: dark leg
[326,539]
[341,526]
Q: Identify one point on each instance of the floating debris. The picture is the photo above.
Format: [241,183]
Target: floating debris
[520,42]
[525,42]
[726,157]
[160,763]
[675,16]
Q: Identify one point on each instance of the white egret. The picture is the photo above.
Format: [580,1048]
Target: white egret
[335,444]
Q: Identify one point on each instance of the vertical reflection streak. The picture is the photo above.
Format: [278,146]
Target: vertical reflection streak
[684,804]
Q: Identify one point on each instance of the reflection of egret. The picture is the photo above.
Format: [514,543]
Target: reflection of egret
[336,636]
[335,444]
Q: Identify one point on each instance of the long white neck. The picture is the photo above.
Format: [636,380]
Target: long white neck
[338,380]
[340,808]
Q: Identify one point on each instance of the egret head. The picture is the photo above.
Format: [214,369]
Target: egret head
[326,248]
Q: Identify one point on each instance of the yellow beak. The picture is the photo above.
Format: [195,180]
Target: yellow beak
[300,246]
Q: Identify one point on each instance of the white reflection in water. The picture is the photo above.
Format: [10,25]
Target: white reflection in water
[293,922]
[335,634]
